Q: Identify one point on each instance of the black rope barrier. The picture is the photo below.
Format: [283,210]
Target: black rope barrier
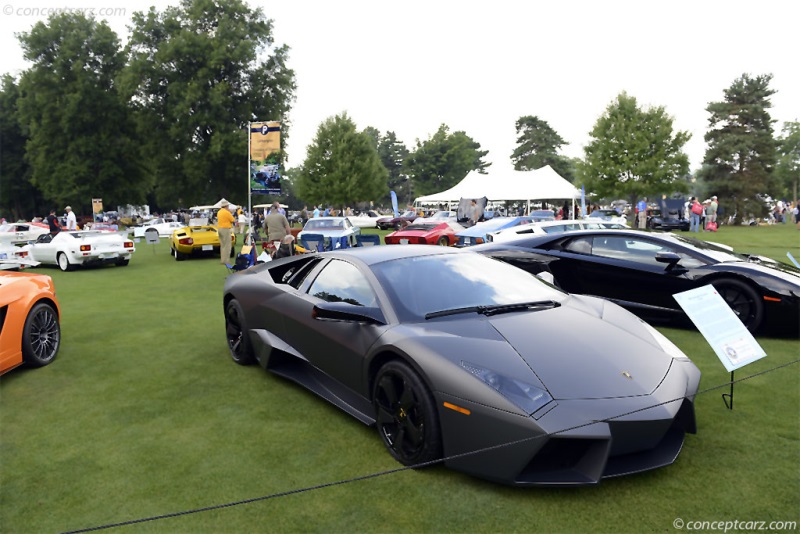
[417,466]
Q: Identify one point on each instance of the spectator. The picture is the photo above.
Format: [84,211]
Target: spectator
[241,220]
[52,221]
[711,216]
[225,222]
[695,209]
[316,211]
[277,224]
[476,213]
[641,213]
[72,223]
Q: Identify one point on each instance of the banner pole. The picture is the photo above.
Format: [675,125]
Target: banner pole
[249,192]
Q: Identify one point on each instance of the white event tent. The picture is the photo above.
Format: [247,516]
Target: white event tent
[512,185]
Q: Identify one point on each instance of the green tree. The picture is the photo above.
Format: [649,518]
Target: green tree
[393,154]
[17,195]
[198,74]
[741,152]
[787,170]
[342,166]
[538,145]
[80,142]
[634,153]
[443,160]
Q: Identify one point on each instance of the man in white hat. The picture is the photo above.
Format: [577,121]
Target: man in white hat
[225,222]
[72,223]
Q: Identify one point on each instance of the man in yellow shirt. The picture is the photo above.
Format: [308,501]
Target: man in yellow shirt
[225,222]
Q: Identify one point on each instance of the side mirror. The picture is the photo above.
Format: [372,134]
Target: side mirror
[670,258]
[346,312]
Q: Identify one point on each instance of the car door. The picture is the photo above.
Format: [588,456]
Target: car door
[43,249]
[337,348]
[622,267]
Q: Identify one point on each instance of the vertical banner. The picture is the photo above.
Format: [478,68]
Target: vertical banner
[265,145]
[394,204]
[97,207]
[583,202]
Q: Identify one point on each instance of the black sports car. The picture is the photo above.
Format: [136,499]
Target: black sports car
[460,358]
[672,220]
[642,270]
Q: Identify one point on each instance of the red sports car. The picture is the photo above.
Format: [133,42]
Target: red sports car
[426,233]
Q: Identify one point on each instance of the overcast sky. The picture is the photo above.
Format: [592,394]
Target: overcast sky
[410,66]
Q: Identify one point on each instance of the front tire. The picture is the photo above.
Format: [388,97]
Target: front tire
[238,342]
[743,300]
[63,262]
[406,416]
[443,242]
[41,335]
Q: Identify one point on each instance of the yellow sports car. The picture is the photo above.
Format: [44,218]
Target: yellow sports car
[197,239]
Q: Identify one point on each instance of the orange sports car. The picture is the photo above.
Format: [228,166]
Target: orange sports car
[29,320]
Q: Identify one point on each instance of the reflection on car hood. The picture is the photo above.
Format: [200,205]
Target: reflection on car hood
[608,354]
[767,266]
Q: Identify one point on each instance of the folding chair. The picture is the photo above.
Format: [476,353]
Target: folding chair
[313,242]
[368,240]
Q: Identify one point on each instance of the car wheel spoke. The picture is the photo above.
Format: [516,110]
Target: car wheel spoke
[44,334]
[388,389]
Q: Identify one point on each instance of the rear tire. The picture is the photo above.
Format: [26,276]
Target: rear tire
[406,416]
[179,256]
[123,262]
[41,335]
[63,262]
[743,300]
[235,332]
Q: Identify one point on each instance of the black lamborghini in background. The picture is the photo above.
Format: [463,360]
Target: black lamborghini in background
[458,358]
[641,271]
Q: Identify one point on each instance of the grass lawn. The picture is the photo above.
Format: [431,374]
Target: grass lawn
[143,414]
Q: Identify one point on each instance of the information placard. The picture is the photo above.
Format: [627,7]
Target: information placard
[733,343]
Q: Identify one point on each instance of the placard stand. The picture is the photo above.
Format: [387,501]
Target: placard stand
[732,342]
[727,398]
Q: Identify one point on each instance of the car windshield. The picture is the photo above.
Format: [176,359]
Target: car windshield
[324,224]
[424,285]
[424,227]
[716,252]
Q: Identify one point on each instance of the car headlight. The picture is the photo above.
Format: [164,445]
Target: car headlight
[668,346]
[527,397]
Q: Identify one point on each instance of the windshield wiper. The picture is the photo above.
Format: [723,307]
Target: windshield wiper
[454,311]
[505,308]
[496,308]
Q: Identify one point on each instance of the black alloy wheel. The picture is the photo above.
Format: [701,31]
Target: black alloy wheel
[743,300]
[41,335]
[406,415]
[238,342]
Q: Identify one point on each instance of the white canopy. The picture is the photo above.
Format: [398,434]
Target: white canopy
[216,206]
[541,184]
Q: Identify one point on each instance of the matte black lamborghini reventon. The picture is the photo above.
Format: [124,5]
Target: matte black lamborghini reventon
[457,357]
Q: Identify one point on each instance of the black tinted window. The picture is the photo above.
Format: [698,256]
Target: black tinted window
[340,281]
